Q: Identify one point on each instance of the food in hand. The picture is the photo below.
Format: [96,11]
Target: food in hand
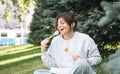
[55,33]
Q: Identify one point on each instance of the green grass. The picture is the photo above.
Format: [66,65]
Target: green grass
[20,59]
[24,59]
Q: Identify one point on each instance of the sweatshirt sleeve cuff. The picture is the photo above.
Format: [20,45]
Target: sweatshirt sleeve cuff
[43,56]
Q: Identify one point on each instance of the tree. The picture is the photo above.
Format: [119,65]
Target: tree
[18,7]
[104,26]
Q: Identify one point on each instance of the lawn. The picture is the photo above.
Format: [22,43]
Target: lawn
[20,59]
[23,59]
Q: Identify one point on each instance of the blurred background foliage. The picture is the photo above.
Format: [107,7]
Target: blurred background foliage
[100,19]
[19,7]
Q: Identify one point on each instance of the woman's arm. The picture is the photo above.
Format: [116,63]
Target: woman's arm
[48,60]
[93,54]
[47,56]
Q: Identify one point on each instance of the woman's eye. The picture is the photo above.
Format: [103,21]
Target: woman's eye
[62,22]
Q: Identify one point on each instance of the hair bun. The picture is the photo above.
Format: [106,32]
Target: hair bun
[71,13]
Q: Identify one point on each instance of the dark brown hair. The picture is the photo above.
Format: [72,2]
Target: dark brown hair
[68,17]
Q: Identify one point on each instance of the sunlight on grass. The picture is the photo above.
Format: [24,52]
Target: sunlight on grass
[18,51]
[27,67]
[14,49]
[12,46]
[19,58]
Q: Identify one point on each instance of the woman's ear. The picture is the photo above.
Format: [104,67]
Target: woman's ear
[73,25]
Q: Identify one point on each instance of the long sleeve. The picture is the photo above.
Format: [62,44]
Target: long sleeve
[94,56]
[48,57]
[48,60]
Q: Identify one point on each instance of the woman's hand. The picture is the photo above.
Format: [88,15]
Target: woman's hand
[75,57]
[43,45]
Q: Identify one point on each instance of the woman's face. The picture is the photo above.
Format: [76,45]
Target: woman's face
[63,26]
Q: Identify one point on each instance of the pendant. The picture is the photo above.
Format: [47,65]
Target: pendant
[66,50]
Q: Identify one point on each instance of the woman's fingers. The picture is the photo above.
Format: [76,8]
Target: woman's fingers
[75,57]
[43,44]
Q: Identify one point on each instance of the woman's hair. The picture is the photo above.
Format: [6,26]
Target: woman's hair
[68,18]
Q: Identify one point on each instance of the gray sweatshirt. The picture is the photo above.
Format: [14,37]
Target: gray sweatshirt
[60,51]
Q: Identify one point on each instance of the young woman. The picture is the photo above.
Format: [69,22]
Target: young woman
[70,49]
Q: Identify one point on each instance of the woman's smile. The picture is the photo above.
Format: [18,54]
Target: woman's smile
[62,27]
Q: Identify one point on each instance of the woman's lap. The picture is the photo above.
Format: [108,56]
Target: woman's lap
[80,66]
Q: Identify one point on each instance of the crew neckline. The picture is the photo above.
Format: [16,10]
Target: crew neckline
[69,38]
